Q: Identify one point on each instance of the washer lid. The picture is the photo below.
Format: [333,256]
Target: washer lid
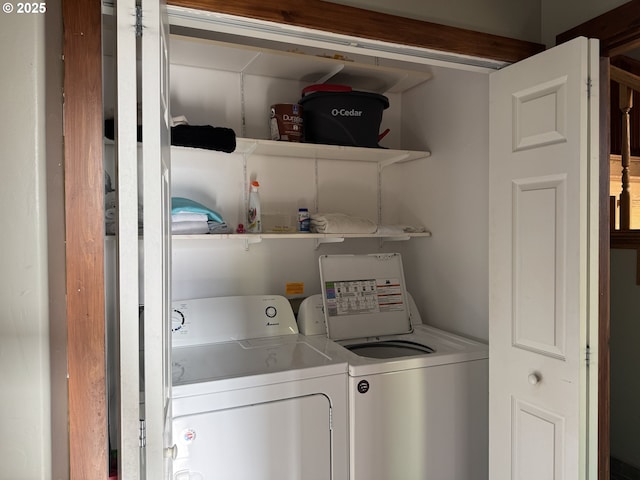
[364,295]
[251,362]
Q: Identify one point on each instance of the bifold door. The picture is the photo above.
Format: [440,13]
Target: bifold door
[543,265]
[144,449]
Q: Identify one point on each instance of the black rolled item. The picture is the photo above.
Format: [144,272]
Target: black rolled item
[196,136]
[204,136]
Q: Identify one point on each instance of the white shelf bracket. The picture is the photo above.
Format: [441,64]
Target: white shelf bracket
[396,159]
[250,241]
[334,71]
[394,239]
[320,241]
[250,149]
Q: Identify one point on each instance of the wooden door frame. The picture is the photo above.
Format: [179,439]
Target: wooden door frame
[84,175]
[84,233]
[618,31]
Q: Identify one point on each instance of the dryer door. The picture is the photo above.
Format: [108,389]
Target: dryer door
[284,439]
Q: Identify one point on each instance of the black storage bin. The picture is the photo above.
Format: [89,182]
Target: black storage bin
[342,117]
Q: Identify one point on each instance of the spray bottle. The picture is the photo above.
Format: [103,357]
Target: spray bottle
[254,220]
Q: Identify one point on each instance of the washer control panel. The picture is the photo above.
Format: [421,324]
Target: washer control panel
[221,319]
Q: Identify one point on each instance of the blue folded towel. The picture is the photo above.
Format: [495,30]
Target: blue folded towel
[179,204]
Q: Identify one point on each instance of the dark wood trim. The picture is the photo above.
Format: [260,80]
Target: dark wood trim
[604,385]
[618,30]
[625,239]
[84,231]
[342,19]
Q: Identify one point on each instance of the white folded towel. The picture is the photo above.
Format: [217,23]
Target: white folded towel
[186,228]
[398,229]
[341,223]
[189,217]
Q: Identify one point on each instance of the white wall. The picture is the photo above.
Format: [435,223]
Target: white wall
[56,242]
[450,194]
[25,443]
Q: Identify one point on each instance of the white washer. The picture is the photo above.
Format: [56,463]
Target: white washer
[251,398]
[413,414]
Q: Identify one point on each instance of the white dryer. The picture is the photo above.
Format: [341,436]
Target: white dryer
[251,398]
[418,396]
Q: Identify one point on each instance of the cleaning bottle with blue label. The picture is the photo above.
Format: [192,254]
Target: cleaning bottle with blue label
[254,221]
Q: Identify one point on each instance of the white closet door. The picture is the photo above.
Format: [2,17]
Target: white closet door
[127,242]
[157,239]
[543,265]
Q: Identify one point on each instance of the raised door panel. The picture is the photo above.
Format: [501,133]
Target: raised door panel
[539,268]
[540,431]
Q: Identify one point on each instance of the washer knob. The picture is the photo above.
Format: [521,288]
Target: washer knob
[271,311]
[177,320]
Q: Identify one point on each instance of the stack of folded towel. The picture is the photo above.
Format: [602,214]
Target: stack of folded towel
[343,223]
[111,213]
[190,217]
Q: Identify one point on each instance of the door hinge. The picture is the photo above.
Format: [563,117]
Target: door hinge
[143,434]
[587,356]
[138,21]
[589,85]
